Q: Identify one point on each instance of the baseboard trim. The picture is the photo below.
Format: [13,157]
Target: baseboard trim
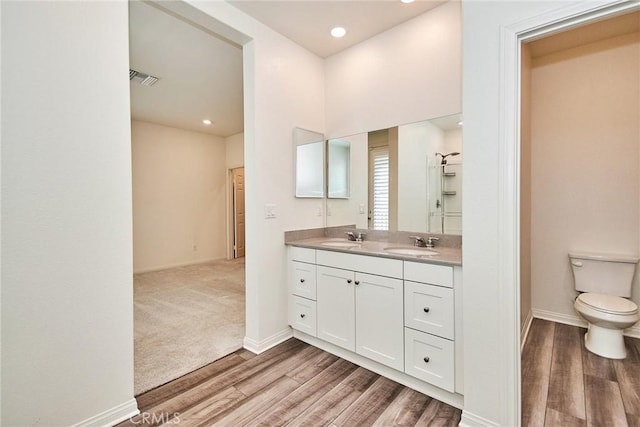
[258,347]
[524,333]
[180,264]
[633,332]
[112,416]
[472,420]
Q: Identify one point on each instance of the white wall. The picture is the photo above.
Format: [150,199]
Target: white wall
[376,84]
[234,151]
[585,132]
[179,205]
[67,319]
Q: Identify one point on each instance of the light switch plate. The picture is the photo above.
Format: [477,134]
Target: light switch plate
[361,208]
[270,211]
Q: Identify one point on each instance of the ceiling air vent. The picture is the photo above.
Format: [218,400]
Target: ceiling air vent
[142,78]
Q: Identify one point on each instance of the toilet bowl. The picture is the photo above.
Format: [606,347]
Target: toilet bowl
[608,317]
[604,282]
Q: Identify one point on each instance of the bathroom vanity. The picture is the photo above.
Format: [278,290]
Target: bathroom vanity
[393,309]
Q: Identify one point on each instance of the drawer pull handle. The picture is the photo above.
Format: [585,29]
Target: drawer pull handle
[357,282]
[301,280]
[349,280]
[426,359]
[302,315]
[426,309]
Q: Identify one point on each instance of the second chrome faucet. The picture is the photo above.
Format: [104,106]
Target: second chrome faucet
[420,241]
[356,236]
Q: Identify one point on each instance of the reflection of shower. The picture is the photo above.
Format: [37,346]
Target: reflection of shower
[444,157]
[443,162]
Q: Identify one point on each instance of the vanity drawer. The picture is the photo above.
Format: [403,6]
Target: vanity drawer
[302,315]
[303,279]
[441,275]
[429,308]
[302,254]
[429,358]
[363,263]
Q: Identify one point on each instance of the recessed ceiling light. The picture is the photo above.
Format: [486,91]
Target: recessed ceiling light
[407,1]
[460,123]
[207,122]
[338,32]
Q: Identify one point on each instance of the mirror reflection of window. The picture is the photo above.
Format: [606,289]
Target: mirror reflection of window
[379,188]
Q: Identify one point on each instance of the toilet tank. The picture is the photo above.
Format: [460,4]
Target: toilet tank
[608,274]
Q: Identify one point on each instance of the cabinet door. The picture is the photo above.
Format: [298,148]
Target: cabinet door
[302,315]
[379,319]
[303,279]
[335,306]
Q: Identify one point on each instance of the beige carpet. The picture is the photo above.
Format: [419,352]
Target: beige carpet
[185,318]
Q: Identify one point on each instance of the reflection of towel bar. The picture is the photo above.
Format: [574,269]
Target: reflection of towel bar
[448,193]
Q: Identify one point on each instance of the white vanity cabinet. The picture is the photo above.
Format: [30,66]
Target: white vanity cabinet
[302,289]
[429,303]
[392,316]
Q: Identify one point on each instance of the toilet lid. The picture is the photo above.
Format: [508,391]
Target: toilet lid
[608,303]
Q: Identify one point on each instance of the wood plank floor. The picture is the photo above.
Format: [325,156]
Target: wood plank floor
[564,384]
[292,384]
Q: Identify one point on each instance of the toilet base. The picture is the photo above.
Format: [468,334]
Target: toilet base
[605,342]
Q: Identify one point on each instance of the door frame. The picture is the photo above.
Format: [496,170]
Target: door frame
[511,38]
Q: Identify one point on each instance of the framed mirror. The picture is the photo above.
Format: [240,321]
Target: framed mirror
[309,163]
[339,169]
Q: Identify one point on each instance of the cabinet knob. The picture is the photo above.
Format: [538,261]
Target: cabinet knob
[426,359]
[301,280]
[426,309]
[349,280]
[357,282]
[302,315]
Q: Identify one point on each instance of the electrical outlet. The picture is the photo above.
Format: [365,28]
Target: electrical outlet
[195,248]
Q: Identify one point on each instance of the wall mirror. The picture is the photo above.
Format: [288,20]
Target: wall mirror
[309,163]
[404,178]
[338,169]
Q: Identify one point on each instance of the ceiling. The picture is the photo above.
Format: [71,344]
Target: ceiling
[200,75]
[308,22]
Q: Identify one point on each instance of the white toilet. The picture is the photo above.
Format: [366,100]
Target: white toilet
[604,281]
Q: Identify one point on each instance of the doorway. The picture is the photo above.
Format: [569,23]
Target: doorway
[509,244]
[189,297]
[237,190]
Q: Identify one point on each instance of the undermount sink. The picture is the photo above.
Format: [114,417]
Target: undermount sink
[341,244]
[410,251]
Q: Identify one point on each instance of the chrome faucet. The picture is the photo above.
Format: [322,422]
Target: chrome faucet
[431,240]
[356,237]
[418,241]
